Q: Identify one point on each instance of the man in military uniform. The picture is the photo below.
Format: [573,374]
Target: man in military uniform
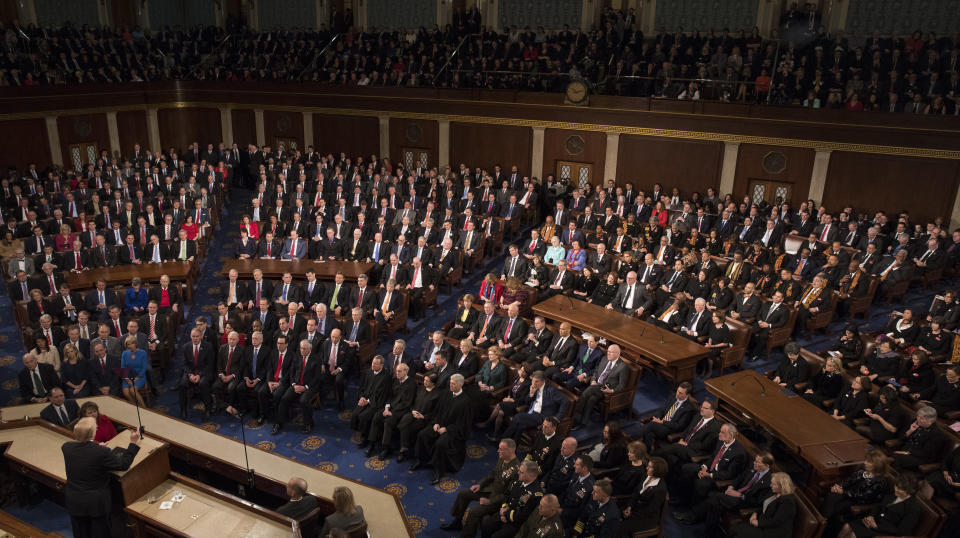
[520,501]
[545,522]
[557,479]
[546,445]
[601,517]
[488,493]
[577,494]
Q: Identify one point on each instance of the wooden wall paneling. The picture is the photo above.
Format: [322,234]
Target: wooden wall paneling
[486,145]
[282,124]
[244,126]
[870,183]
[8,11]
[414,134]
[355,136]
[689,165]
[132,128]
[180,127]
[797,172]
[576,146]
[24,142]
[82,129]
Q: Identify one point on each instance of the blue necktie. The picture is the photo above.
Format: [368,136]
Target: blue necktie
[376,251]
[353,332]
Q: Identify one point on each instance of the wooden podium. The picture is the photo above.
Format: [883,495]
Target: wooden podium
[149,468]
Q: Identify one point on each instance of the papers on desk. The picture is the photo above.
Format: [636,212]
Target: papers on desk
[166,505]
[955,426]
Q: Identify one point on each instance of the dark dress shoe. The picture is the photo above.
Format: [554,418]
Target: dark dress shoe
[754,358]
[363,444]
[384,455]
[452,526]
[276,429]
[260,421]
[370,451]
[684,517]
[307,429]
[436,479]
[401,456]
[576,427]
[183,414]
[417,466]
[206,414]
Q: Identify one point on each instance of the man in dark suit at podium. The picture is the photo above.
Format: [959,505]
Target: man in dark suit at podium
[87,492]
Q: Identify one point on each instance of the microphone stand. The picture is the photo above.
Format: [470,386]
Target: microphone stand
[243,435]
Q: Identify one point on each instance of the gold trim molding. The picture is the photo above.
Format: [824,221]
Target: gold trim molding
[816,145]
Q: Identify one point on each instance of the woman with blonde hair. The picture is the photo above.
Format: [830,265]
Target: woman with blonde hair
[514,294]
[776,514]
[74,371]
[347,514]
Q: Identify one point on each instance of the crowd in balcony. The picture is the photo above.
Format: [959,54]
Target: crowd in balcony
[799,63]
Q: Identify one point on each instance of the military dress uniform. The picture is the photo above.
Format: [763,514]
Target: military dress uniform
[537,526]
[493,487]
[598,520]
[520,501]
[575,498]
[558,478]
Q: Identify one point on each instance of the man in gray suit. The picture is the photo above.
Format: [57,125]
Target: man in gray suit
[610,376]
[110,342]
[20,262]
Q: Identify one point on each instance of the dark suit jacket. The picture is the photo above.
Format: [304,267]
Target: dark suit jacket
[50,414]
[206,360]
[702,442]
[779,317]
[758,491]
[733,462]
[777,520]
[299,509]
[466,366]
[363,331]
[553,404]
[87,491]
[646,507]
[616,378]
[750,309]
[518,331]
[104,378]
[493,326]
[345,357]
[48,376]
[681,417]
[402,395]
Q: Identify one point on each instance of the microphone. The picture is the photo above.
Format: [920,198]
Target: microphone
[243,436]
[763,390]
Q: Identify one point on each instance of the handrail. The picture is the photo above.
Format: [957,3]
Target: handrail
[450,58]
[318,55]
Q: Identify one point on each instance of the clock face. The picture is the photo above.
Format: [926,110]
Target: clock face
[576,91]
[774,162]
[574,145]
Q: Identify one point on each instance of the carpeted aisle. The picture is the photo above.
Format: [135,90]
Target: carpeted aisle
[330,446]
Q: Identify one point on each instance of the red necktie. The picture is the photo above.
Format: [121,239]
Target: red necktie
[53,287]
[716,460]
[49,337]
[360,299]
[116,325]
[229,358]
[303,368]
[276,374]
[132,256]
[506,335]
[143,235]
[268,249]
[695,430]
[532,245]
[196,355]
[823,234]
[293,247]
[79,264]
[756,476]
[415,273]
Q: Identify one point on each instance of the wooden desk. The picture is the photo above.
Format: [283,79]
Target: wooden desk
[11,526]
[202,512]
[274,269]
[646,343]
[123,274]
[829,446]
[220,454]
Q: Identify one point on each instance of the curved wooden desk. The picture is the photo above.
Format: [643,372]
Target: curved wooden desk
[645,343]
[274,269]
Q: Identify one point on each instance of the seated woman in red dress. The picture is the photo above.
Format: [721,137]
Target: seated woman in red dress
[252,229]
[191,227]
[105,429]
[490,289]
[64,239]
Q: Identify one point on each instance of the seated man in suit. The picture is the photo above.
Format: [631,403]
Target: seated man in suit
[166,296]
[726,461]
[853,284]
[673,417]
[560,281]
[357,330]
[748,490]
[746,305]
[609,376]
[373,395]
[184,249]
[257,362]
[894,270]
[338,361]
[286,293]
[539,402]
[632,297]
[486,327]
[697,442]
[199,362]
[557,355]
[671,314]
[577,375]
[922,442]
[294,248]
[37,379]
[772,315]
[815,298]
[301,503]
[421,279]
[792,370]
[99,300]
[61,412]
[513,333]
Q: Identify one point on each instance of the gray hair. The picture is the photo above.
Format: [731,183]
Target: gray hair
[458,379]
[927,412]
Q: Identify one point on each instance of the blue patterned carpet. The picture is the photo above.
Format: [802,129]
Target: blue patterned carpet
[330,446]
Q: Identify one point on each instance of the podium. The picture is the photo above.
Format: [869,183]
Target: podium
[149,468]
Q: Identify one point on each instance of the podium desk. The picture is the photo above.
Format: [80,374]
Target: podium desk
[202,512]
[644,342]
[11,526]
[220,454]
